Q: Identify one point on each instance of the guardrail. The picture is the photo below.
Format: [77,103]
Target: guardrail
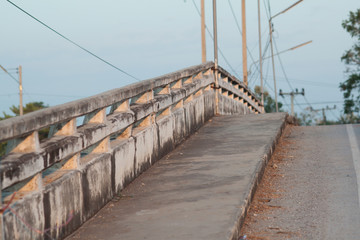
[78,169]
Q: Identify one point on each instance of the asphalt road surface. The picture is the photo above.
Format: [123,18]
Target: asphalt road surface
[310,189]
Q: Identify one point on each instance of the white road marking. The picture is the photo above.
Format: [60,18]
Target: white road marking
[355,154]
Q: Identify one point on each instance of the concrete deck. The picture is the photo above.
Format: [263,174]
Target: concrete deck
[201,190]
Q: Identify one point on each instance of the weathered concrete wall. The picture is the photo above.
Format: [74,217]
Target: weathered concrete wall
[59,183]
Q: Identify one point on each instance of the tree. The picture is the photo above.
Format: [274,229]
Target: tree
[351,87]
[307,117]
[269,102]
[29,107]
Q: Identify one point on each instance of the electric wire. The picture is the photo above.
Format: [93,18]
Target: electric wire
[239,29]
[282,66]
[221,53]
[336,117]
[266,78]
[54,95]
[286,78]
[312,83]
[267,9]
[10,75]
[322,103]
[287,105]
[264,53]
[71,41]
[8,94]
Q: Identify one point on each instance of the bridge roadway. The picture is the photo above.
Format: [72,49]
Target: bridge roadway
[314,190]
[198,191]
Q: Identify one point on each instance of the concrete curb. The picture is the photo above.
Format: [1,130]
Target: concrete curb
[256,178]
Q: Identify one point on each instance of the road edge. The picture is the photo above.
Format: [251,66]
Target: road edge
[257,176]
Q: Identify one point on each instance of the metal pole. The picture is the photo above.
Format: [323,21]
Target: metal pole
[273,65]
[20,91]
[292,103]
[244,52]
[215,35]
[1,216]
[215,59]
[203,39]
[260,56]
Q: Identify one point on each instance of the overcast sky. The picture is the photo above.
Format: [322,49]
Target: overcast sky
[151,38]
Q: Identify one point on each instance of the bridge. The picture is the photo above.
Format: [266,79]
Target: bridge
[98,145]
[176,157]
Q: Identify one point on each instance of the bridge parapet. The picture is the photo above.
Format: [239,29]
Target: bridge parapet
[56,184]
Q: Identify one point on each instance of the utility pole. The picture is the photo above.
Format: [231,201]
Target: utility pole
[292,94]
[215,36]
[203,39]
[323,112]
[260,56]
[20,91]
[1,216]
[244,52]
[215,58]
[273,64]
[272,50]
[20,86]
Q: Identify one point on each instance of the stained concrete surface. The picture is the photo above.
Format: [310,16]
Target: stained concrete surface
[196,192]
[309,190]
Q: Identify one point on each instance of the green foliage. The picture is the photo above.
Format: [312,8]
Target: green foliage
[348,119]
[307,118]
[351,87]
[269,102]
[2,148]
[5,116]
[29,107]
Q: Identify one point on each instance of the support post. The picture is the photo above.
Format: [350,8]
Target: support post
[216,59]
[20,91]
[292,95]
[292,103]
[323,110]
[203,38]
[215,36]
[244,52]
[260,57]
[1,216]
[273,65]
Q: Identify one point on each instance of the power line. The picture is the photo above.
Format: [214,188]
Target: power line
[221,53]
[336,117]
[286,78]
[313,83]
[265,51]
[282,66]
[239,29]
[13,78]
[53,95]
[74,43]
[267,9]
[265,78]
[8,94]
[321,103]
[287,104]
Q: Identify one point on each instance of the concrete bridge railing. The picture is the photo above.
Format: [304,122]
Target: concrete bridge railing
[51,186]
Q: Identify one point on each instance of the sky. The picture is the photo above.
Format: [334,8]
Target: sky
[151,38]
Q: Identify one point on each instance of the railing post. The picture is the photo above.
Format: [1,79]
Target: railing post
[1,215]
[216,59]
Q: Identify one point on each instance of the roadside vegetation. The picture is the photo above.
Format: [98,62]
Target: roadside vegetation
[351,86]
